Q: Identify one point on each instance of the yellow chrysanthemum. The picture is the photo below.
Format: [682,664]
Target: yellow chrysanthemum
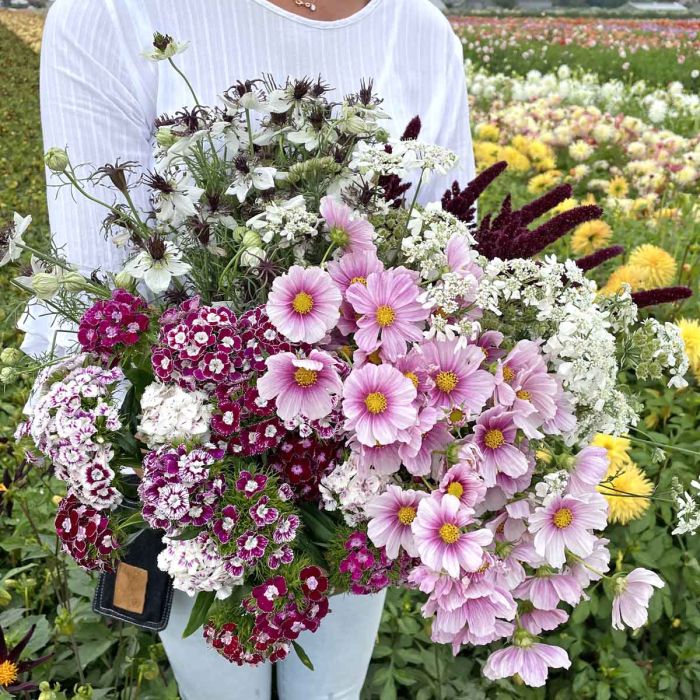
[580,150]
[543,182]
[521,143]
[642,207]
[690,332]
[487,132]
[590,236]
[544,164]
[567,205]
[486,154]
[627,491]
[658,267]
[625,274]
[515,159]
[618,448]
[618,187]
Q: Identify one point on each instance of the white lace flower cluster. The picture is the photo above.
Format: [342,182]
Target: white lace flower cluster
[688,508]
[347,489]
[579,342]
[71,424]
[195,565]
[170,414]
[668,351]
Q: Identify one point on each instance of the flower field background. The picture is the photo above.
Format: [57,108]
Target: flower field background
[609,106]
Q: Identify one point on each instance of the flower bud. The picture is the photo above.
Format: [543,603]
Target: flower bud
[8,375]
[56,159]
[251,239]
[44,285]
[124,280]
[11,356]
[74,282]
[165,137]
[5,597]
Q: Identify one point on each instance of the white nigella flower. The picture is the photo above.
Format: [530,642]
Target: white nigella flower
[250,177]
[37,266]
[157,265]
[11,239]
[164,47]
[177,195]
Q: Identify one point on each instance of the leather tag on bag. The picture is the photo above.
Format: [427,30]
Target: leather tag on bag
[130,588]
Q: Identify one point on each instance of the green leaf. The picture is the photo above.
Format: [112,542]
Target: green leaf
[189,533]
[602,691]
[303,656]
[198,617]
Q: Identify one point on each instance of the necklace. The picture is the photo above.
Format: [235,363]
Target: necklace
[310,6]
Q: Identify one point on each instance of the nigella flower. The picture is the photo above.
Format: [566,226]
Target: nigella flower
[164,47]
[11,239]
[456,374]
[304,304]
[262,513]
[157,265]
[566,523]
[251,546]
[441,538]
[378,404]
[302,386]
[632,595]
[250,484]
[250,177]
[391,315]
[224,525]
[346,228]
[286,530]
[391,515]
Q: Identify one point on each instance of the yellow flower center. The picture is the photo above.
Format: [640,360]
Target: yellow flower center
[484,568]
[407,514]
[508,374]
[9,673]
[563,518]
[449,533]
[305,377]
[376,403]
[360,280]
[303,303]
[446,381]
[374,358]
[522,394]
[455,489]
[385,316]
[456,415]
[413,377]
[494,439]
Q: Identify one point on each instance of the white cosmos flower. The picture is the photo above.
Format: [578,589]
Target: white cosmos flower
[157,265]
[260,178]
[11,239]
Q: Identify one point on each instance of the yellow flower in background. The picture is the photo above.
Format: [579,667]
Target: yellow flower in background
[627,491]
[618,187]
[522,143]
[543,182]
[486,154]
[590,236]
[487,132]
[567,205]
[515,159]
[626,274]
[580,150]
[690,332]
[658,267]
[642,207]
[618,448]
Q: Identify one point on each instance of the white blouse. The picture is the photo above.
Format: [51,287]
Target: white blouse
[99,96]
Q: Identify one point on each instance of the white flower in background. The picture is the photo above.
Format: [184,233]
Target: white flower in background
[177,196]
[250,177]
[171,414]
[688,505]
[11,239]
[287,223]
[37,266]
[157,265]
[164,47]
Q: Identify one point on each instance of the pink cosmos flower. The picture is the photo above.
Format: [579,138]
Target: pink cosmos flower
[391,516]
[632,595]
[384,458]
[378,403]
[460,257]
[590,468]
[564,420]
[458,380]
[537,621]
[464,483]
[566,523]
[347,229]
[391,315]
[302,386]
[430,437]
[495,434]
[593,568]
[530,660]
[304,304]
[546,592]
[441,539]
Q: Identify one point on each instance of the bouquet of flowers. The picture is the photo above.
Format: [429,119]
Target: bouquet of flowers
[323,386]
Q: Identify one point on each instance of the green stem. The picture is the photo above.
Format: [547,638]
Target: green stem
[671,448]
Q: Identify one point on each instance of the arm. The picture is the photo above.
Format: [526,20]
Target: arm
[97,95]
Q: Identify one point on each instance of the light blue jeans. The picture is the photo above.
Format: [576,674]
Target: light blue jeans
[340,652]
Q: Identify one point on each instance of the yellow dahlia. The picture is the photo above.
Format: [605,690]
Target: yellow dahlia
[627,491]
[618,187]
[591,236]
[515,159]
[658,268]
[487,132]
[618,448]
[690,332]
[486,154]
[542,182]
[626,274]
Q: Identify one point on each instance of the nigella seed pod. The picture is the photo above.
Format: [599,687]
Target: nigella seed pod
[56,160]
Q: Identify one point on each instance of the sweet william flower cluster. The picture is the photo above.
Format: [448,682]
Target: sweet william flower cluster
[325,386]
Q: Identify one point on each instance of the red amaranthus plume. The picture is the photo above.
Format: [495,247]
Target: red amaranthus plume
[461,203]
[662,295]
[593,260]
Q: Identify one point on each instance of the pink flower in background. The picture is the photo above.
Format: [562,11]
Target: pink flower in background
[304,304]
[391,315]
[302,386]
[391,516]
[430,443]
[378,403]
[443,543]
[465,484]
[455,372]
[347,229]
[632,595]
[537,621]
[566,523]
[590,469]
[460,257]
[594,566]
[531,661]
[495,434]
[546,592]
